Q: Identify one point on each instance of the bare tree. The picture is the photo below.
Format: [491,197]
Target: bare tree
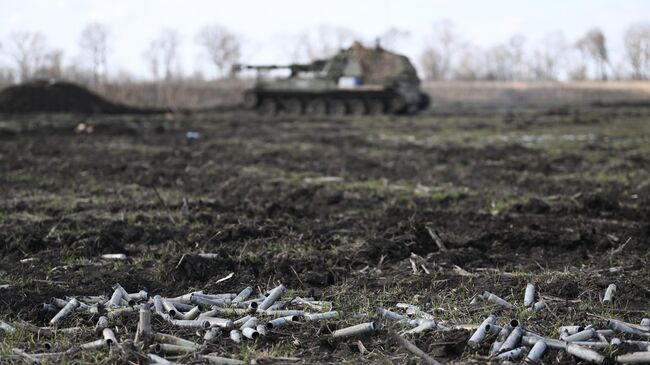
[294,47]
[637,50]
[593,45]
[432,63]
[517,52]
[162,55]
[52,66]
[330,40]
[6,76]
[498,63]
[548,57]
[506,61]
[94,45]
[440,49]
[318,43]
[222,47]
[470,66]
[392,37]
[28,50]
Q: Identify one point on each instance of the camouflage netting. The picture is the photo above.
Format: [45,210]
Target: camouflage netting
[379,64]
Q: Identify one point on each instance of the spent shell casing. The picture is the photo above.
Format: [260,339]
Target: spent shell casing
[529,295]
[273,296]
[480,332]
[355,330]
[65,311]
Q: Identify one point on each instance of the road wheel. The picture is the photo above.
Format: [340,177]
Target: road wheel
[357,107]
[337,107]
[250,100]
[376,107]
[397,104]
[316,107]
[268,107]
[293,106]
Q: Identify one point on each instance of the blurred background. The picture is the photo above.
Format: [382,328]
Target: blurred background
[180,53]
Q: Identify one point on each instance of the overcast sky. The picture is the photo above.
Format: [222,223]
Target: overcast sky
[265,25]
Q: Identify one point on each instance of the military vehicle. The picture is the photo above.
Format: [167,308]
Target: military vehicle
[356,81]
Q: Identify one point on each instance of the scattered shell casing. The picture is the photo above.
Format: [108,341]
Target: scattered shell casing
[193,313]
[191,323]
[585,353]
[116,298]
[580,336]
[144,324]
[250,323]
[173,340]
[219,322]
[389,314]
[479,334]
[218,360]
[261,329]
[355,330]
[536,353]
[513,339]
[102,323]
[243,295]
[6,327]
[496,299]
[213,333]
[529,295]
[93,344]
[273,296]
[642,357]
[609,294]
[321,316]
[65,311]
[510,355]
[250,333]
[570,330]
[235,335]
[109,336]
[171,349]
[276,323]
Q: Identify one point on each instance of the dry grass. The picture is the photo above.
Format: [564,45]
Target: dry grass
[518,93]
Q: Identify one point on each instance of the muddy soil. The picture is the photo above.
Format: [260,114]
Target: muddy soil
[327,205]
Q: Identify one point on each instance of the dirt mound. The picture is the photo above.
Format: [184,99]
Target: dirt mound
[56,96]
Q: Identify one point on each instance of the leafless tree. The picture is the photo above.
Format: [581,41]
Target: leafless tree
[294,47]
[637,50]
[517,51]
[321,42]
[28,50]
[440,49]
[222,47]
[506,61]
[498,63]
[330,40]
[548,57]
[162,55]
[6,76]
[392,38]
[469,66]
[593,45]
[81,75]
[52,66]
[432,63]
[94,45]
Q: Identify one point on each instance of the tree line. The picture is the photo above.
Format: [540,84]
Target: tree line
[30,57]
[446,55]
